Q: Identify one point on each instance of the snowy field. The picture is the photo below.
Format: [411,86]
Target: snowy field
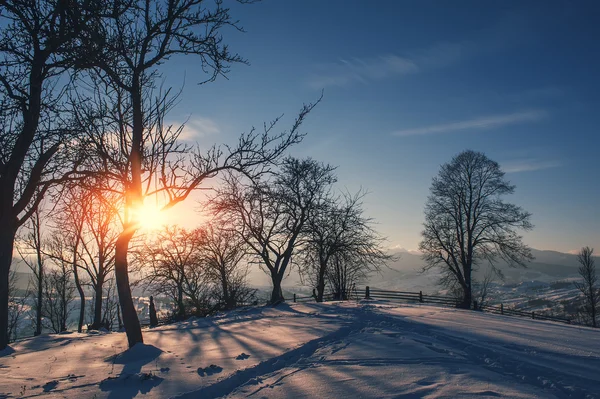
[345,350]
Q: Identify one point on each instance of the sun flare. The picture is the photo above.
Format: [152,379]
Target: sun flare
[150,217]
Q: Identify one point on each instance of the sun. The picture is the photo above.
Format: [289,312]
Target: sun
[150,217]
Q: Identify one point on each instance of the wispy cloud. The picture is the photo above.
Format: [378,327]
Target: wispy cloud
[361,70]
[198,127]
[508,32]
[528,165]
[480,123]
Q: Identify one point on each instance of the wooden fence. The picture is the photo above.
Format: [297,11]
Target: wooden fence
[311,298]
[513,312]
[406,296]
[374,293]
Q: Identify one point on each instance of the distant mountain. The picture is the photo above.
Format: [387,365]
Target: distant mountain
[548,266]
[555,258]
[405,273]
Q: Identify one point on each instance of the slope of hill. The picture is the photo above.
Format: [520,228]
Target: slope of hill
[366,349]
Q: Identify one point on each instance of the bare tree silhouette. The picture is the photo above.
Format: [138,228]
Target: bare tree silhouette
[137,153]
[467,222]
[589,287]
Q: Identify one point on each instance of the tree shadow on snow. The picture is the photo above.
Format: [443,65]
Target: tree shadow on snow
[131,381]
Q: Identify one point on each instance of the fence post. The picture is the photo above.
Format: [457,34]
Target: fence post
[501,308]
[475,305]
[533,315]
[294,298]
[367,293]
[421,296]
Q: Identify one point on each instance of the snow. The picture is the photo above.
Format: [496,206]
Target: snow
[369,349]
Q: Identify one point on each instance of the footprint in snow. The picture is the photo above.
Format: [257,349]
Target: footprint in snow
[50,385]
[210,370]
[242,356]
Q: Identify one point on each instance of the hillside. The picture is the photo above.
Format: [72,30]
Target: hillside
[366,349]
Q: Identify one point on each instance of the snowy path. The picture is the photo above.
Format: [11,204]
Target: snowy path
[310,350]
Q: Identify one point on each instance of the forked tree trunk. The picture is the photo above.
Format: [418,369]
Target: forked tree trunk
[130,317]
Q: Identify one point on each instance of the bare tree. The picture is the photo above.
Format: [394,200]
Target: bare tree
[110,308]
[339,231]
[589,287]
[99,236]
[59,294]
[467,222]
[271,215]
[483,286]
[222,253]
[136,151]
[66,240]
[17,305]
[37,39]
[32,254]
[344,273]
[175,268]
[63,248]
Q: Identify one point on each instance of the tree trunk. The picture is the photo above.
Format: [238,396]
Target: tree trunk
[467,290]
[180,305]
[227,299]
[40,293]
[276,294]
[321,285]
[130,317]
[81,298]
[98,302]
[7,237]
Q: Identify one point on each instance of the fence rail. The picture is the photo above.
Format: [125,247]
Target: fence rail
[513,312]
[376,293]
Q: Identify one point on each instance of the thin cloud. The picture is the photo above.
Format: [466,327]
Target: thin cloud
[198,127]
[506,33]
[481,123]
[361,70]
[528,165]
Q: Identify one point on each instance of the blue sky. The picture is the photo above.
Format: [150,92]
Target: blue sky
[409,84]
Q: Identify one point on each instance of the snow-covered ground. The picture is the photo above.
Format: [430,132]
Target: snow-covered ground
[337,350]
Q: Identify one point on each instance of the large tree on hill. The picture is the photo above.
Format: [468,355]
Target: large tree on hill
[271,215]
[137,153]
[37,39]
[467,222]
